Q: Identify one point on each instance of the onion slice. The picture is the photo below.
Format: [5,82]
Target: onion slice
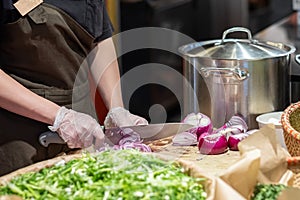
[138,146]
[184,139]
[212,144]
[236,120]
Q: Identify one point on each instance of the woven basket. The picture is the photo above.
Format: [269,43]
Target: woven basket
[294,166]
[291,135]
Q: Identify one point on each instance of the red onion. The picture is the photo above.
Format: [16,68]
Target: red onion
[131,137]
[231,130]
[234,140]
[236,120]
[138,146]
[235,125]
[184,139]
[212,144]
[201,122]
[203,135]
[125,138]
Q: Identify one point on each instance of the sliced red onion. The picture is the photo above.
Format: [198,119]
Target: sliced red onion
[234,140]
[201,122]
[131,137]
[212,144]
[184,139]
[138,146]
[126,138]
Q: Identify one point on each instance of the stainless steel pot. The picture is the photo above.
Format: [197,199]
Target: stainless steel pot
[236,76]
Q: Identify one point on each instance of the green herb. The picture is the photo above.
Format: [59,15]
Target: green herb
[123,174]
[295,119]
[267,191]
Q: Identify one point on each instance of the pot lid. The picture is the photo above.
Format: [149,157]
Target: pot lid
[236,49]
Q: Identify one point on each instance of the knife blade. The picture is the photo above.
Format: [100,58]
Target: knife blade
[148,132]
[151,132]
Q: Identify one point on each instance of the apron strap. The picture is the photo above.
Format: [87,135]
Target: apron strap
[8,4]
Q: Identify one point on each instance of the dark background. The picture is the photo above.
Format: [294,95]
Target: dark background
[200,19]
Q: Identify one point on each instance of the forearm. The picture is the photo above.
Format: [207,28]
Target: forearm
[110,88]
[17,99]
[105,71]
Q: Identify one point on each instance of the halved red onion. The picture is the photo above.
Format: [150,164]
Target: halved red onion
[184,139]
[212,144]
[201,122]
[205,134]
[234,140]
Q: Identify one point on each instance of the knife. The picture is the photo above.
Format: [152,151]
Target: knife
[151,132]
[148,132]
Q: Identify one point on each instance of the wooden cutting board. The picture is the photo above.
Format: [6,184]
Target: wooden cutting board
[211,164]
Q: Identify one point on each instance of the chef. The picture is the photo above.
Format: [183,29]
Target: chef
[42,47]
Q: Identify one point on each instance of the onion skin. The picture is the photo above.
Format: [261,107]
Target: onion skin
[212,144]
[201,123]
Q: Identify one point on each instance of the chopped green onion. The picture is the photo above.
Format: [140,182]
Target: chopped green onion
[122,174]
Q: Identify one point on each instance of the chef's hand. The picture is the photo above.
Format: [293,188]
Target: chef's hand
[120,117]
[78,130]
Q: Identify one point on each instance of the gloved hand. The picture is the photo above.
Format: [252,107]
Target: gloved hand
[120,117]
[78,130]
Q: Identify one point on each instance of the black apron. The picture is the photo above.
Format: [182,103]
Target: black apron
[44,52]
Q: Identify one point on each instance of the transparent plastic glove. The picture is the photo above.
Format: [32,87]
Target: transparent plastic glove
[78,130]
[120,117]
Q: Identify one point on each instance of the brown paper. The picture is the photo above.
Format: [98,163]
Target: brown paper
[273,157]
[289,194]
[10,197]
[224,191]
[216,188]
[262,160]
[242,176]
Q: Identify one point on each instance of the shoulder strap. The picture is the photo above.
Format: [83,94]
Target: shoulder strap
[8,4]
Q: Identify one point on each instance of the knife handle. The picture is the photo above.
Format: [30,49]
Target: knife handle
[50,137]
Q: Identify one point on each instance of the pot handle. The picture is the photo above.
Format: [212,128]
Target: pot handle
[297,59]
[237,72]
[237,29]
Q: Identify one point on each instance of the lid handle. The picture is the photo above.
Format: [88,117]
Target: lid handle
[237,29]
